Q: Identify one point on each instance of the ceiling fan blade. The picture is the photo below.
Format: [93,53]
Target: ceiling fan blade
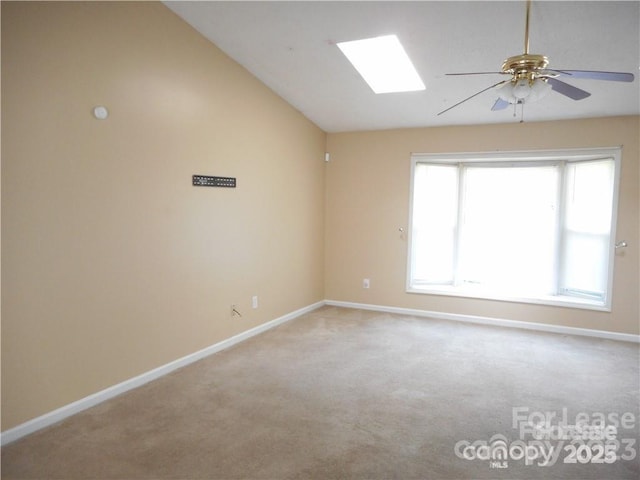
[567,90]
[597,75]
[499,105]
[474,95]
[475,73]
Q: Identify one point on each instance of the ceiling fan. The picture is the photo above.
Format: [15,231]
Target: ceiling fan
[531,79]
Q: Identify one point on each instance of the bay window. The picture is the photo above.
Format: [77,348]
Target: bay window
[523,226]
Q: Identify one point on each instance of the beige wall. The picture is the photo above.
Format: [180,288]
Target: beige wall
[113,264]
[368,199]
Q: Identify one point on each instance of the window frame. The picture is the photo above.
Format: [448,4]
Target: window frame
[521,158]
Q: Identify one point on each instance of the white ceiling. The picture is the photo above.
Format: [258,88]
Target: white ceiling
[290,46]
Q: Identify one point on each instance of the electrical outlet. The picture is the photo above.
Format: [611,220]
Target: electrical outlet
[365,283]
[254,301]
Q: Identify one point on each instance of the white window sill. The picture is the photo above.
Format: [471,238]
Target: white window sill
[552,300]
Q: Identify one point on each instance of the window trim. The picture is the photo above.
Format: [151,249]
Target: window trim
[521,157]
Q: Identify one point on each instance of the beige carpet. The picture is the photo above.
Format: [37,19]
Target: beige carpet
[341,394]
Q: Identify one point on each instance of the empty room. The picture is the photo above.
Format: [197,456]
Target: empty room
[322,240]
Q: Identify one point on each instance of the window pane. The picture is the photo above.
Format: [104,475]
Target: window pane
[434,223]
[589,196]
[588,208]
[585,265]
[508,229]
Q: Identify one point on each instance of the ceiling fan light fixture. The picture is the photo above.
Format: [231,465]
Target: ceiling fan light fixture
[505,92]
[539,89]
[523,90]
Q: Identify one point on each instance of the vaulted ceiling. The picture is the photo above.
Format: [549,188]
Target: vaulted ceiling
[290,46]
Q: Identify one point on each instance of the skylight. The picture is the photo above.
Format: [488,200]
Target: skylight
[383,64]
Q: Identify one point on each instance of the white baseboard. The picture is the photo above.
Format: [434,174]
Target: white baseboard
[61,413]
[543,327]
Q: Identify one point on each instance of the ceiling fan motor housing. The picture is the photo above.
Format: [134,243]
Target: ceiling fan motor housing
[527,65]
